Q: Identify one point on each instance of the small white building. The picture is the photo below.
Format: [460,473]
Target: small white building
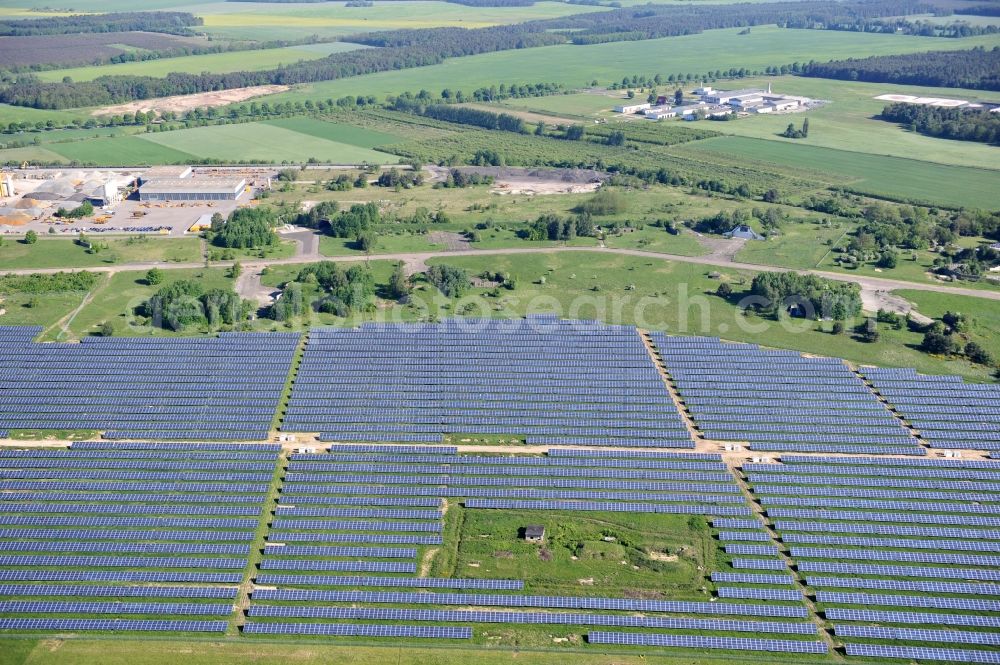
[660,112]
[704,90]
[728,96]
[783,104]
[630,109]
[746,102]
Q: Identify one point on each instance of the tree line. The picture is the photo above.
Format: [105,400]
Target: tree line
[463,115]
[173,23]
[656,21]
[950,123]
[976,68]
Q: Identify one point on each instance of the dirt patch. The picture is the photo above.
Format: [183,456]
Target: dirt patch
[184,103]
[426,561]
[872,300]
[544,554]
[525,187]
[453,242]
[660,556]
[643,594]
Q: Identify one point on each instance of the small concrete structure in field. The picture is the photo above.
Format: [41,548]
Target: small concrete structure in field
[534,533]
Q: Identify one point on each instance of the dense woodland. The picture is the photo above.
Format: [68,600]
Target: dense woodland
[246,228]
[962,124]
[174,23]
[976,68]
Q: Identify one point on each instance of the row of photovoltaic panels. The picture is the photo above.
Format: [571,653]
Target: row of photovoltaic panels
[353,476]
[779,400]
[928,591]
[947,412]
[225,387]
[115,551]
[552,381]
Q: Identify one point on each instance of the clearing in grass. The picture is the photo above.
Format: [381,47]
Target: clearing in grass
[67,253]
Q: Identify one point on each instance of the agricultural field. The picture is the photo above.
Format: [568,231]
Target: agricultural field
[119,151]
[219,63]
[577,66]
[80,49]
[274,21]
[893,177]
[261,142]
[66,253]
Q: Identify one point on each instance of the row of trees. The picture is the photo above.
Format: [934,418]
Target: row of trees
[976,68]
[978,125]
[655,21]
[175,23]
[556,227]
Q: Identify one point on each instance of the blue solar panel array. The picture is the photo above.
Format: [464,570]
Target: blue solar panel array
[947,412]
[78,546]
[547,380]
[304,554]
[927,538]
[226,387]
[704,642]
[779,400]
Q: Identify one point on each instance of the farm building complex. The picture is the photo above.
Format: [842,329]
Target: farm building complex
[711,103]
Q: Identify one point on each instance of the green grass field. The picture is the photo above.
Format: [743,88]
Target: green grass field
[65,253]
[275,21]
[120,150]
[868,173]
[583,552]
[332,131]
[305,651]
[116,299]
[800,244]
[261,142]
[219,63]
[15,156]
[848,121]
[579,65]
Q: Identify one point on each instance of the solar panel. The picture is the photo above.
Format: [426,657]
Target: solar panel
[704,642]
[922,653]
[124,625]
[562,602]
[361,630]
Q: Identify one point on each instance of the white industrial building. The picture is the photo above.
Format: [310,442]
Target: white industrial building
[192,189]
[660,113]
[630,109]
